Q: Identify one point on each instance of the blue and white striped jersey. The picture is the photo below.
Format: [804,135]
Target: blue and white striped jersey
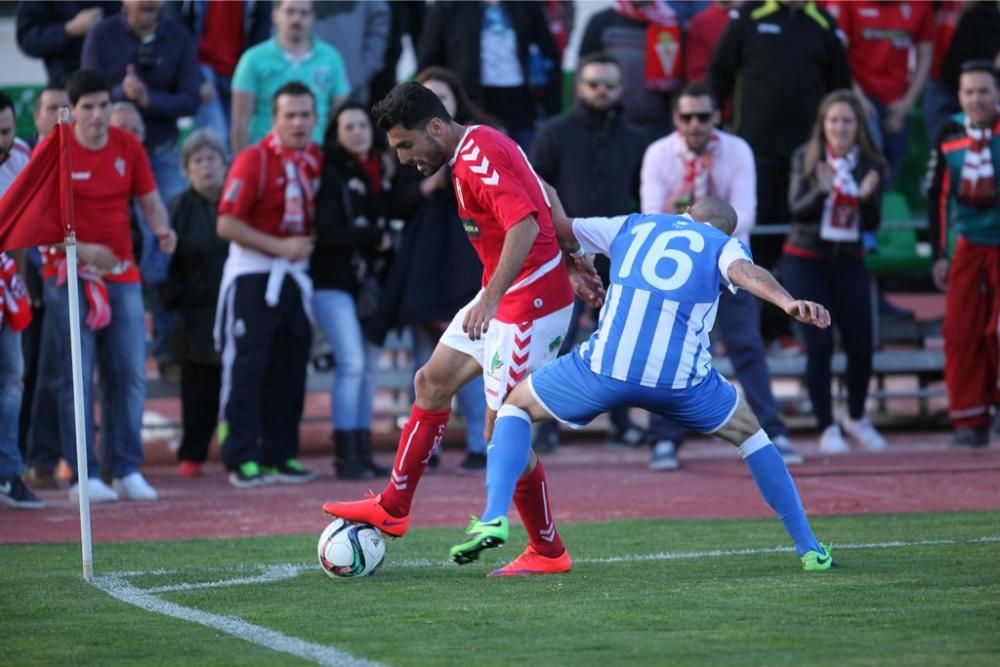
[666,272]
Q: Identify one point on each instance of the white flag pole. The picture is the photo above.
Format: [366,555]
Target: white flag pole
[81,435]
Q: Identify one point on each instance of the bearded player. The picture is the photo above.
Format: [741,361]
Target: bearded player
[514,325]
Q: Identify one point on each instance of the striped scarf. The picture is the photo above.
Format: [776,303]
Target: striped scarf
[15,307]
[301,169]
[697,173]
[978,187]
[842,209]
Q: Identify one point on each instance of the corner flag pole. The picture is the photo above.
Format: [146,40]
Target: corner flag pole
[75,354]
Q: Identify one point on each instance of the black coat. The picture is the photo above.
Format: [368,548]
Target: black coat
[351,221]
[436,270]
[977,37]
[806,200]
[592,159]
[784,61]
[191,289]
[451,38]
[41,34]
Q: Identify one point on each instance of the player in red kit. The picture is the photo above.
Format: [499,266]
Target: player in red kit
[514,325]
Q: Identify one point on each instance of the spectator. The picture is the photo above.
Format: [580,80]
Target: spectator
[406,18]
[645,37]
[262,325]
[352,258]
[504,55]
[293,54]
[561,17]
[940,100]
[694,162]
[151,59]
[436,271]
[792,55]
[110,167]
[702,33]
[191,290]
[222,31]
[885,33]
[54,31]
[591,156]
[977,36]
[361,32]
[13,493]
[39,436]
[965,230]
[835,195]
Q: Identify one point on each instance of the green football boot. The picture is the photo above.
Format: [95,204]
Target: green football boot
[814,561]
[480,535]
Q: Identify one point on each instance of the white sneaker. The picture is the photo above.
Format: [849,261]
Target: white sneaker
[135,487]
[664,456]
[864,433]
[97,492]
[789,454]
[832,442]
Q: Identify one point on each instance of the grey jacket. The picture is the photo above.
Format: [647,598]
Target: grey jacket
[360,32]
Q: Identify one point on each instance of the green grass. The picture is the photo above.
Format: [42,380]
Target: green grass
[918,605]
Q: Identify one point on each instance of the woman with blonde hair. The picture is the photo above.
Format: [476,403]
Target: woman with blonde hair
[835,197]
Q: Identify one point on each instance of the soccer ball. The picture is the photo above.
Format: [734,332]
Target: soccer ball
[348,549]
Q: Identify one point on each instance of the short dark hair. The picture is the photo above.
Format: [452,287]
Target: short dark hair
[980,65]
[38,98]
[411,105]
[293,89]
[7,103]
[599,58]
[695,89]
[86,82]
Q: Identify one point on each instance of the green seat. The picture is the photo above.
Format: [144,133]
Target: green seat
[898,250]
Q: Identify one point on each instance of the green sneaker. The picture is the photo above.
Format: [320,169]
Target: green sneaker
[480,536]
[814,561]
[249,475]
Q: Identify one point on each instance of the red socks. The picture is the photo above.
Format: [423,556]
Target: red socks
[531,498]
[422,434]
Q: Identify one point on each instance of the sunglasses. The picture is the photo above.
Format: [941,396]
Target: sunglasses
[597,83]
[702,116]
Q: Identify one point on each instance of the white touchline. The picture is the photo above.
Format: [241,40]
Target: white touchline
[117,586]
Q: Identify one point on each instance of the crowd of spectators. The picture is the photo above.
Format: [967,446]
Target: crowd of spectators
[774,106]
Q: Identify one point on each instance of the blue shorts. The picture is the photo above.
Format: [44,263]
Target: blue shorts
[574,394]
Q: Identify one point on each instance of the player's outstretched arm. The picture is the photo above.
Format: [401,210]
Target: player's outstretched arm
[759,282]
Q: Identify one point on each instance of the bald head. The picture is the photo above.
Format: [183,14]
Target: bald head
[715,212]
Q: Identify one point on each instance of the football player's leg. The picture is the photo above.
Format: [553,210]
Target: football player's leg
[773,480]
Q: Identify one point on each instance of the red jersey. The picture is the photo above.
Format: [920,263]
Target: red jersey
[104,180]
[495,188]
[883,33]
[221,42]
[255,189]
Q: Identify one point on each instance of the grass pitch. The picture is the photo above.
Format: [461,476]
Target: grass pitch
[914,589]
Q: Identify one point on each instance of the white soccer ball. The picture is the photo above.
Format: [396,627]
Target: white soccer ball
[348,549]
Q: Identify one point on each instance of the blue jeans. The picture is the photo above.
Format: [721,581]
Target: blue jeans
[119,350]
[11,388]
[737,320]
[892,145]
[153,266]
[471,397]
[44,445]
[214,115]
[356,360]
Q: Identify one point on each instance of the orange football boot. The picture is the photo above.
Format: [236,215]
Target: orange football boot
[369,511]
[531,562]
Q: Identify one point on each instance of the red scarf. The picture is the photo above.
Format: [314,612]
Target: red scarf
[372,166]
[16,307]
[978,187]
[301,171]
[696,183]
[663,41]
[841,219]
[94,289]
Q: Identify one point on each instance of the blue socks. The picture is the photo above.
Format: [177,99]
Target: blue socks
[771,476]
[506,457]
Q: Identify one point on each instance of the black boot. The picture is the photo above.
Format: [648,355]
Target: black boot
[346,461]
[365,454]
